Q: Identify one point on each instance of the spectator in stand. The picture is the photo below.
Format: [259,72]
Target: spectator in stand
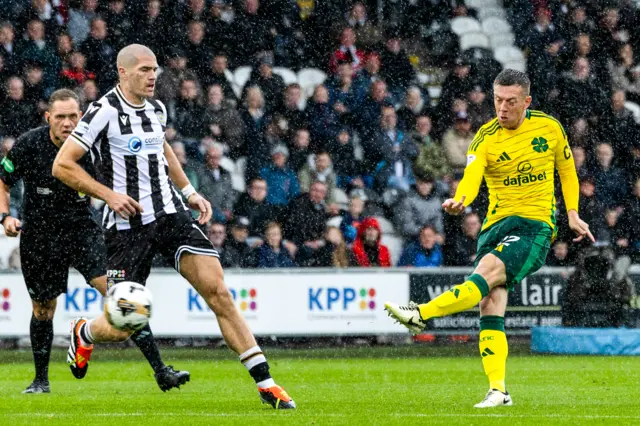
[480,109]
[611,188]
[215,184]
[290,116]
[618,125]
[345,164]
[580,94]
[460,248]
[101,56]
[333,253]
[590,208]
[396,69]
[253,206]
[421,207]
[346,91]
[197,49]
[371,69]
[625,73]
[18,115]
[415,105]
[34,89]
[456,86]
[431,159]
[425,252]
[352,218]
[456,142]
[217,234]
[580,160]
[394,152]
[168,83]
[347,51]
[281,180]
[322,118]
[559,255]
[79,20]
[255,121]
[300,150]
[307,217]
[8,50]
[367,34]
[76,74]
[223,122]
[273,253]
[45,11]
[318,168]
[120,23]
[187,166]
[155,21]
[632,163]
[37,49]
[216,75]
[189,111]
[250,22]
[609,33]
[367,248]
[629,221]
[88,93]
[617,235]
[220,26]
[236,253]
[578,22]
[272,85]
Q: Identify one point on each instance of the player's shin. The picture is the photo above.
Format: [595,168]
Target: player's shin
[41,333]
[460,298]
[99,330]
[494,350]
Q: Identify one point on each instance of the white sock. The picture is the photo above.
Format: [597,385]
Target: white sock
[266,383]
[252,357]
[86,337]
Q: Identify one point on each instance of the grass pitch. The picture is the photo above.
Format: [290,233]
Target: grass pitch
[363,386]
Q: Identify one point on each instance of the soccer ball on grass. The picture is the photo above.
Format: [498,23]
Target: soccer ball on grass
[128,306]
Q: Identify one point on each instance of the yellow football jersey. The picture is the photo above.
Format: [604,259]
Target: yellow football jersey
[518,167]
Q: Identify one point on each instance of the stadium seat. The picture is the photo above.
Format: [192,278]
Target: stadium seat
[470,40]
[434,92]
[287,75]
[463,25]
[506,54]
[502,40]
[395,244]
[481,4]
[229,76]
[423,78]
[635,110]
[228,164]
[340,197]
[309,79]
[241,165]
[335,221]
[241,75]
[385,225]
[489,12]
[495,25]
[515,65]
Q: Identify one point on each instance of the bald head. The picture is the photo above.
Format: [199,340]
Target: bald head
[129,56]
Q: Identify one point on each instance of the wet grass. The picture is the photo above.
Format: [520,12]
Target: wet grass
[336,386]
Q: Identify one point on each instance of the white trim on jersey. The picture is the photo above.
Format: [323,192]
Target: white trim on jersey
[127,145]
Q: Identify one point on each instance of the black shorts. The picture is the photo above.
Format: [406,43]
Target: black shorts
[130,252]
[47,254]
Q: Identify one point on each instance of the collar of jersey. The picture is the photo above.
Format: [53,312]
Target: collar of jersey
[124,99]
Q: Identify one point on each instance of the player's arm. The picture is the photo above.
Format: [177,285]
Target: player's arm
[470,184]
[570,185]
[177,176]
[10,174]
[67,169]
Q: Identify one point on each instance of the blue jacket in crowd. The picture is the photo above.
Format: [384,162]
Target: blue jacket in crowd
[282,185]
[415,255]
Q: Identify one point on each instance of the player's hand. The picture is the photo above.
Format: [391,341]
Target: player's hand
[454,207]
[12,226]
[197,202]
[124,205]
[580,227]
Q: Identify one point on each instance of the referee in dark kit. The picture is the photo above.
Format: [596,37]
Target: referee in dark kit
[57,231]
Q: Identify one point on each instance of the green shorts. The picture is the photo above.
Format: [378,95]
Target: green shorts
[522,244]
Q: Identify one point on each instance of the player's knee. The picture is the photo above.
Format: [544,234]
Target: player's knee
[44,313]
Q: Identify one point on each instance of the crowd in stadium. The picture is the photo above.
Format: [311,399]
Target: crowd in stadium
[328,173]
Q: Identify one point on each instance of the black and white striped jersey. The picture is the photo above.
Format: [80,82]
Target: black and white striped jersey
[126,142]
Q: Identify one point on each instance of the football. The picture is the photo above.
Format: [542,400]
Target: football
[128,306]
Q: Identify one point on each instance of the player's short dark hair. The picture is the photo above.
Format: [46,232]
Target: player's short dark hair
[509,77]
[62,95]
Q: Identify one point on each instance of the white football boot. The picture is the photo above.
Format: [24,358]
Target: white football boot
[495,398]
[407,315]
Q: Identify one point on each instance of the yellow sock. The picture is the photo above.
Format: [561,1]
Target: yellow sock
[460,298]
[494,350]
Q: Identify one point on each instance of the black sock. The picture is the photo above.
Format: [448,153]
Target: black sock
[145,341]
[260,372]
[41,339]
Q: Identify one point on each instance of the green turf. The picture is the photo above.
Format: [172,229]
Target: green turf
[383,386]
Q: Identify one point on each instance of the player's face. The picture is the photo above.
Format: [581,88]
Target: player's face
[143,77]
[510,103]
[63,118]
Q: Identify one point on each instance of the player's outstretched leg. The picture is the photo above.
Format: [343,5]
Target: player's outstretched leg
[41,333]
[206,276]
[460,298]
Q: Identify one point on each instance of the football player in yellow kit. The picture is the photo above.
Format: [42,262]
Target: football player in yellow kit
[516,153]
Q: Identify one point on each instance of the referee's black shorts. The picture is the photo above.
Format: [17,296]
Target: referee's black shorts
[46,254]
[130,252]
